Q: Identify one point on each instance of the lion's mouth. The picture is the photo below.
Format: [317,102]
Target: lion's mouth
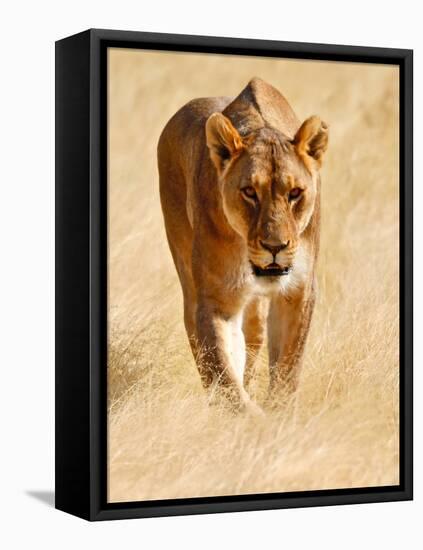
[271,270]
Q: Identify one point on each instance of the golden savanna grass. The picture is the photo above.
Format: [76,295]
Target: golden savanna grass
[341,428]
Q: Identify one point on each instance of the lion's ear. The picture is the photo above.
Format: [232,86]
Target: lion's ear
[311,140]
[223,140]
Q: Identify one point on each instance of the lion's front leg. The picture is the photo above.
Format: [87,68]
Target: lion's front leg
[288,326]
[221,356]
[254,328]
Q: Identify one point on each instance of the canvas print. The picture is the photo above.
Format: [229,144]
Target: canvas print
[253,275]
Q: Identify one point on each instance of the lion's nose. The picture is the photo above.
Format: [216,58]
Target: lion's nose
[274,248]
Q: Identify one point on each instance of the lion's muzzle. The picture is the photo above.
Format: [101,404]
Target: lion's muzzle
[271,270]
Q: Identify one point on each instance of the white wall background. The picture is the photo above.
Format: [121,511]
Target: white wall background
[27,37]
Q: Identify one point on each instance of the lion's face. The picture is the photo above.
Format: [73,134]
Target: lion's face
[269,186]
[268,198]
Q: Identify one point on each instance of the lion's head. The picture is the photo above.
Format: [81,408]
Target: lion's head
[268,184]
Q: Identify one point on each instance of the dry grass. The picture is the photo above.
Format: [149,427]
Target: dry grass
[341,428]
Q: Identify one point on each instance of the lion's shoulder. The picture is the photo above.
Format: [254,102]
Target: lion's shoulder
[192,116]
[261,105]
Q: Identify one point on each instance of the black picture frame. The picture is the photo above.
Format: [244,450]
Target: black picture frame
[81,273]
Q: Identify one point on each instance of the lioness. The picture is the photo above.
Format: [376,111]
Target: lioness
[240,193]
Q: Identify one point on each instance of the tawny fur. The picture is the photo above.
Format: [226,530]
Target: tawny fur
[230,174]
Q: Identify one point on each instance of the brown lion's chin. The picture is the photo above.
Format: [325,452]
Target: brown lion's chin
[271,270]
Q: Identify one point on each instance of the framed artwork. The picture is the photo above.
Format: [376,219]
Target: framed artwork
[233,274]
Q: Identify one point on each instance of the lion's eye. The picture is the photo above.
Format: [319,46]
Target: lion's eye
[249,192]
[294,193]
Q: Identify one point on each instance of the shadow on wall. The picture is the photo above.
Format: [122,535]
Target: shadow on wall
[46,497]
